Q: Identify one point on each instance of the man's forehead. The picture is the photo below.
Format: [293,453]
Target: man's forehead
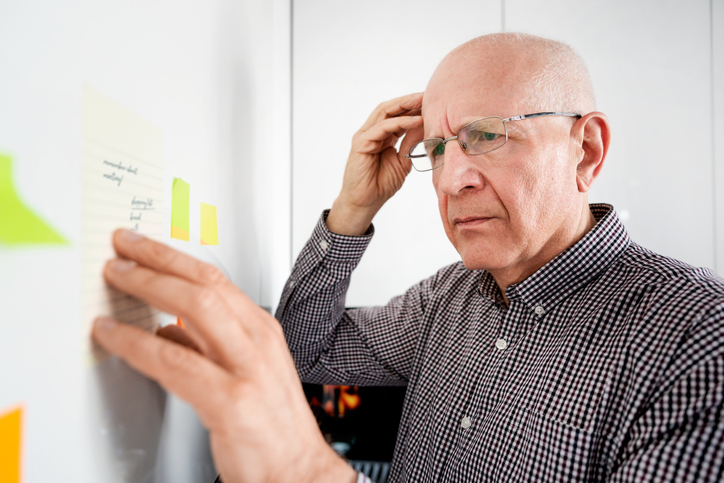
[476,83]
[448,111]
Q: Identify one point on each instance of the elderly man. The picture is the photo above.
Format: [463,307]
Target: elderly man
[558,350]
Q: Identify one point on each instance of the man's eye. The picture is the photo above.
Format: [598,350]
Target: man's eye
[478,136]
[439,150]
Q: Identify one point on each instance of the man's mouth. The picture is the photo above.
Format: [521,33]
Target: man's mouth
[471,221]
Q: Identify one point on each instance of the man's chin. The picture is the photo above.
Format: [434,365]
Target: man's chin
[483,261]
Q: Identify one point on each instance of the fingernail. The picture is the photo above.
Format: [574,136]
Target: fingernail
[130,235]
[121,265]
[105,323]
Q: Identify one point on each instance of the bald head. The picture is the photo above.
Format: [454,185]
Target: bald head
[538,74]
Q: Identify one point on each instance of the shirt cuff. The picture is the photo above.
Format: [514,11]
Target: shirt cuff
[341,248]
[362,478]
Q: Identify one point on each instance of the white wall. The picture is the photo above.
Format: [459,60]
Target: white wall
[651,64]
[717,55]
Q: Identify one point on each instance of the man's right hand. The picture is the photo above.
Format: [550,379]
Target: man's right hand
[231,364]
[375,169]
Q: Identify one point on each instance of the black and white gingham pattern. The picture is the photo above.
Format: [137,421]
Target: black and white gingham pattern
[609,363]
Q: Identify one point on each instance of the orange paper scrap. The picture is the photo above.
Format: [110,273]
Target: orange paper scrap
[10,444]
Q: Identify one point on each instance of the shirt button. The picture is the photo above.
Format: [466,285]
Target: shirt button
[540,310]
[292,283]
[324,245]
[501,344]
[466,422]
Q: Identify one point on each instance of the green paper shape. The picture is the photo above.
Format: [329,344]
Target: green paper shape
[180,197]
[19,225]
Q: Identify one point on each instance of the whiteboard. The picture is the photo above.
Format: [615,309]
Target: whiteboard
[201,74]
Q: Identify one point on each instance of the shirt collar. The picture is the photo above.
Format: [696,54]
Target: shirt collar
[571,269]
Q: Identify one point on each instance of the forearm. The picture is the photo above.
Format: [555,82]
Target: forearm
[312,303]
[332,345]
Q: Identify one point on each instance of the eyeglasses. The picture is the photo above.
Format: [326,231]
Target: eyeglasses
[475,138]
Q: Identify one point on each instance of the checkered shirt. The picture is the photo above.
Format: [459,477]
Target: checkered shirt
[608,364]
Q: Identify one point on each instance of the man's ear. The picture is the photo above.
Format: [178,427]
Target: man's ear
[594,136]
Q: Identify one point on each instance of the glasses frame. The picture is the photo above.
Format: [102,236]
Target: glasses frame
[464,147]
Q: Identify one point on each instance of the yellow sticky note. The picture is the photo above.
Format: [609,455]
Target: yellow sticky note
[209,232]
[19,225]
[180,210]
[10,444]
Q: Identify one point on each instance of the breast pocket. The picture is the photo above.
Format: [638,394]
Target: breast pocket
[526,446]
[553,420]
[551,450]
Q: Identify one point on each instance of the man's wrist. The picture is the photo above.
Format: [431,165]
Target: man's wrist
[333,469]
[346,220]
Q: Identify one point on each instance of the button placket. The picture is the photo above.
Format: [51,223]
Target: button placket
[507,329]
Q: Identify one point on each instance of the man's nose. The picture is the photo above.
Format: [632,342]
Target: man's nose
[458,171]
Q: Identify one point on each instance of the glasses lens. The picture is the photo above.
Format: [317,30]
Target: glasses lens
[427,154]
[483,136]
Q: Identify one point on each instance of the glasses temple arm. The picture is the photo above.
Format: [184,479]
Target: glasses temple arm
[539,114]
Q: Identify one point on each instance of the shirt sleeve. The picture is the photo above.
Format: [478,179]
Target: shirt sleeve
[333,345]
[679,436]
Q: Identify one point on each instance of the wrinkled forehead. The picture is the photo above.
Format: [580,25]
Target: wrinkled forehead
[470,85]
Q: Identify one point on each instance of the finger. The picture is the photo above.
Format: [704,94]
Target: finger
[182,371]
[412,137]
[176,334]
[399,134]
[211,323]
[390,142]
[384,129]
[392,108]
[165,259]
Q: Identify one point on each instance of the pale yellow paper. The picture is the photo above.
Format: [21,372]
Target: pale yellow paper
[209,231]
[122,188]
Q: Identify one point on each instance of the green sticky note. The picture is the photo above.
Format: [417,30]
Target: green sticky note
[209,232]
[19,225]
[180,209]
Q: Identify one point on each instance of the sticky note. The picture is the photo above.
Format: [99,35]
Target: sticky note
[209,233]
[10,444]
[180,210]
[19,225]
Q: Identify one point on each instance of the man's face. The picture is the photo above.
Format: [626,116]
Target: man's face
[507,211]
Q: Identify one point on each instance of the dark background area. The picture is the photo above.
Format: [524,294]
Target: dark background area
[369,429]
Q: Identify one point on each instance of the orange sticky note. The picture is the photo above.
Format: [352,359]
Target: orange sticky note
[10,444]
